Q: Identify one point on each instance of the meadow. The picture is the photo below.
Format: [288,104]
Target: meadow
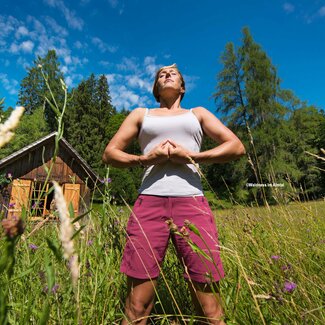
[273,257]
[51,273]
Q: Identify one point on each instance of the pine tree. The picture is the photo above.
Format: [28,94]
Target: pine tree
[33,89]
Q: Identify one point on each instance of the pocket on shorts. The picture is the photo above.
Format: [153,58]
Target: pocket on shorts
[211,216]
[132,222]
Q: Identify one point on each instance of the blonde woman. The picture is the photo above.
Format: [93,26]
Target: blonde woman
[171,192]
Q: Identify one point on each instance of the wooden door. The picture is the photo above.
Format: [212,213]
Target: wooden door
[71,194]
[19,197]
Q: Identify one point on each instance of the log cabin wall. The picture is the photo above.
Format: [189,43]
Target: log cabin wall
[69,168]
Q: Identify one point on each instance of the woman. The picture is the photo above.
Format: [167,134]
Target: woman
[171,192]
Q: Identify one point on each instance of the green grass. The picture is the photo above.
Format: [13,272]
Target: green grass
[253,290]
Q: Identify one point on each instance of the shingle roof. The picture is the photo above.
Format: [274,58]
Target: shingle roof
[39,143]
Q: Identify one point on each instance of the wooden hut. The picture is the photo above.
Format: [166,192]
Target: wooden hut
[27,170]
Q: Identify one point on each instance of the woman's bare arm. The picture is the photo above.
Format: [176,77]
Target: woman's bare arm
[114,153]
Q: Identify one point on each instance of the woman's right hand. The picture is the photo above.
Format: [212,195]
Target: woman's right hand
[158,155]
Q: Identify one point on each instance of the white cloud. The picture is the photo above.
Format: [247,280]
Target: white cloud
[150,65]
[105,63]
[10,85]
[77,44]
[56,27]
[190,82]
[69,15]
[288,7]
[69,81]
[8,24]
[110,77]
[102,46]
[135,81]
[27,46]
[321,11]
[21,31]
[123,97]
[113,3]
[118,5]
[128,64]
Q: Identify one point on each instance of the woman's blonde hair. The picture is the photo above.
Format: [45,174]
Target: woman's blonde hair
[155,89]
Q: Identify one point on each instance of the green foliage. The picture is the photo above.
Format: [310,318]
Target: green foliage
[88,115]
[33,88]
[275,127]
[123,185]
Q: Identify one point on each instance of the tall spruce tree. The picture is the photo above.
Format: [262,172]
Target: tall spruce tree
[33,89]
[87,117]
[249,96]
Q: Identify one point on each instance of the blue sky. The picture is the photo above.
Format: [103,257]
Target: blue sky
[127,40]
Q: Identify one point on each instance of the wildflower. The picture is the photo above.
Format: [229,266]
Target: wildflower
[275,257]
[172,227]
[106,180]
[90,242]
[41,275]
[289,286]
[33,247]
[11,205]
[13,227]
[55,288]
[286,267]
[184,232]
[9,175]
[192,227]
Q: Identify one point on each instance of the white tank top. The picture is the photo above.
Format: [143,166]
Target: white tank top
[171,179]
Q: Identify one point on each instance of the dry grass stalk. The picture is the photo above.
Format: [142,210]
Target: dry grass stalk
[66,233]
[6,128]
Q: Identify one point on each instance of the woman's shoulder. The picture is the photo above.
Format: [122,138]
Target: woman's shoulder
[199,112]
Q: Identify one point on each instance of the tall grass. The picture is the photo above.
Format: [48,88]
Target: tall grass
[273,258]
[265,253]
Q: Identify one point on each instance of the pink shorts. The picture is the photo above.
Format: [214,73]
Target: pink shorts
[148,236]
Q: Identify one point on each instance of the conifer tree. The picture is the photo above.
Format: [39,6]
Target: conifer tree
[33,89]
[87,118]
[249,96]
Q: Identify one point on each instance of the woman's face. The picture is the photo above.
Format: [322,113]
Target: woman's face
[169,80]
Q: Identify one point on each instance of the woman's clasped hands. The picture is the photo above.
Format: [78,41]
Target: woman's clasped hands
[167,150]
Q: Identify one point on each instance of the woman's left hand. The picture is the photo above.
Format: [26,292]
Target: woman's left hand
[178,154]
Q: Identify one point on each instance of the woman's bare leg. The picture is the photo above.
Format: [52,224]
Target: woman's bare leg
[139,301]
[207,302]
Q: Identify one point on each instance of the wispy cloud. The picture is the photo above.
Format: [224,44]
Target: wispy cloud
[21,32]
[321,11]
[316,14]
[288,7]
[69,15]
[26,47]
[117,4]
[36,36]
[102,46]
[10,85]
[56,27]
